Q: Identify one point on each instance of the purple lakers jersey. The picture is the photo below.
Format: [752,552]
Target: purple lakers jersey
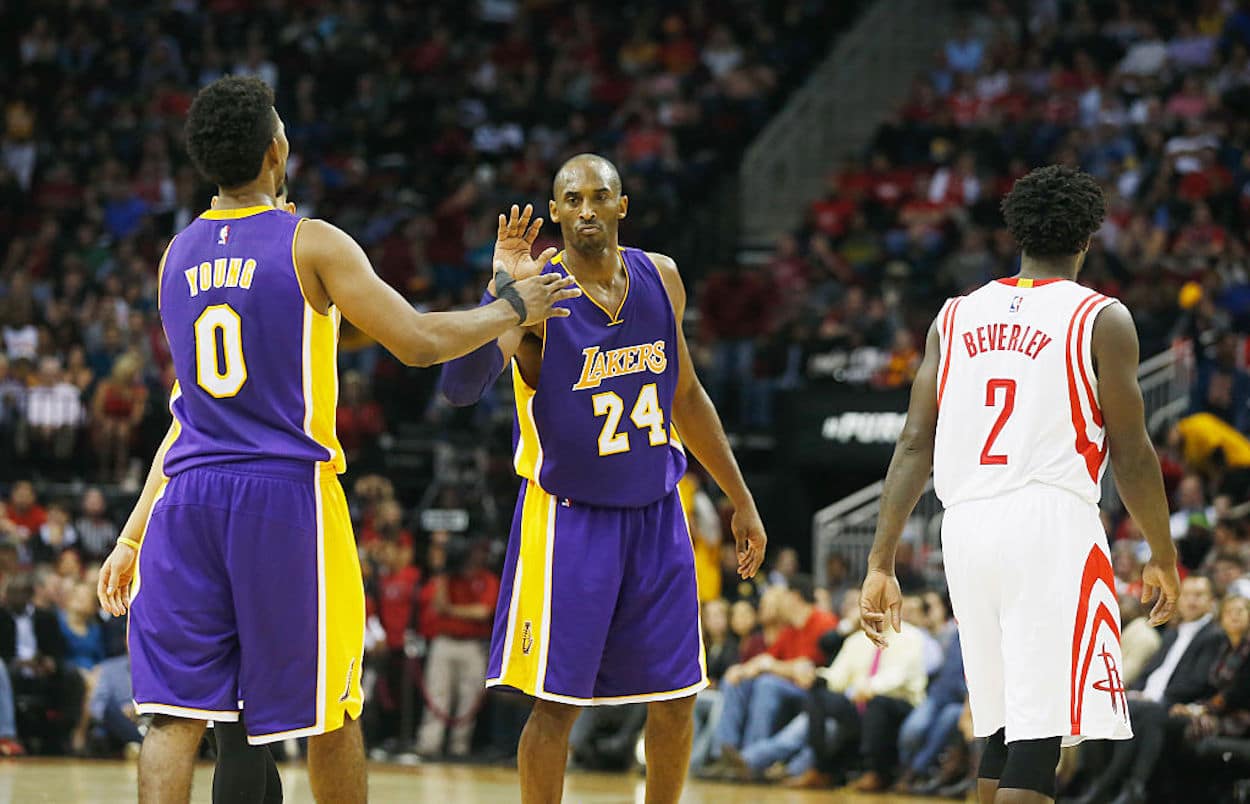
[255,364]
[599,427]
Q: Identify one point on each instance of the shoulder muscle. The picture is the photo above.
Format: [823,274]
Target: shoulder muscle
[671,278]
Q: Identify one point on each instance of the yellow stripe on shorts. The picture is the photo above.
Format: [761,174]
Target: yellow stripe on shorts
[525,662]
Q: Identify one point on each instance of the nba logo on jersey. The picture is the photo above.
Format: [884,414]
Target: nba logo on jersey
[223,234]
[1016,301]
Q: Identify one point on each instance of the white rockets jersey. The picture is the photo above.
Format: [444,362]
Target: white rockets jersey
[1017,394]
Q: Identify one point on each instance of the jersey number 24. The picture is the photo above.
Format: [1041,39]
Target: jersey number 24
[646,415]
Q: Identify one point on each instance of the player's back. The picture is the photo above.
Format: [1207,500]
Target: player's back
[256,365]
[1017,392]
[598,429]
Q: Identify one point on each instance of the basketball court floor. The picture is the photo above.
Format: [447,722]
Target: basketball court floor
[104,782]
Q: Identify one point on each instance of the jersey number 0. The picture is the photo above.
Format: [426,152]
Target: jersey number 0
[219,365]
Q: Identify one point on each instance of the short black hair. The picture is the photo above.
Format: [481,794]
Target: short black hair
[803,586]
[1054,210]
[229,128]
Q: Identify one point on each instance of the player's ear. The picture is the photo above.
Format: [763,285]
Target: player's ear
[213,204]
[623,207]
[290,207]
[274,151]
[553,214]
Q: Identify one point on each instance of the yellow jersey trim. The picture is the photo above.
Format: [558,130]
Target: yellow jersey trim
[233,214]
[613,318]
[160,270]
[527,460]
[298,280]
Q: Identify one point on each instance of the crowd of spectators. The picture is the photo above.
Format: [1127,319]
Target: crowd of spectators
[1151,98]
[411,128]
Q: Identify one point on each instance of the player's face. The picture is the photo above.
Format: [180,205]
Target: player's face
[587,207]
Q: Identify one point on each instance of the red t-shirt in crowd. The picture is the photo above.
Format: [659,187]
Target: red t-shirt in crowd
[797,643]
[481,586]
[831,215]
[397,593]
[370,536]
[30,520]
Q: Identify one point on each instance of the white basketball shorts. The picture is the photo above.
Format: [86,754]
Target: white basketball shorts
[1034,596]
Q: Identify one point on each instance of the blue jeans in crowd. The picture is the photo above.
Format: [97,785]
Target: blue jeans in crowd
[707,711]
[8,716]
[925,732]
[789,745]
[751,708]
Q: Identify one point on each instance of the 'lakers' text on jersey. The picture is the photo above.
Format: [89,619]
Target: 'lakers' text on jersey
[598,429]
[256,365]
[1017,392]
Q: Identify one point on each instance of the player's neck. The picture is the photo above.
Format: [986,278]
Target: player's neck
[601,267]
[1033,268]
[249,195]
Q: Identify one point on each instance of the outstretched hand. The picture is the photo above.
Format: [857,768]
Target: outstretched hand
[514,242]
[880,605]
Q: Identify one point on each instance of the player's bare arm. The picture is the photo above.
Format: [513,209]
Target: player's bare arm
[1133,459]
[904,483]
[701,431]
[335,270]
[113,587]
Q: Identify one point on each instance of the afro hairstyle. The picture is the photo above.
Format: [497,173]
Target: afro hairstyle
[229,128]
[1053,211]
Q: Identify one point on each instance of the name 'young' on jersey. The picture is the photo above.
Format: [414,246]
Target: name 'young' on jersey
[598,429]
[256,364]
[1017,392]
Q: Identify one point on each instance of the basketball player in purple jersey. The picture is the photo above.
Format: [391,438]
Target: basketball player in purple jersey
[598,602]
[247,589]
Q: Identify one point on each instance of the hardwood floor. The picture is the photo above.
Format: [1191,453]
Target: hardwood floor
[103,782]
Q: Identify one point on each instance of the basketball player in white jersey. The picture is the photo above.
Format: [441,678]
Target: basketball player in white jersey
[1028,385]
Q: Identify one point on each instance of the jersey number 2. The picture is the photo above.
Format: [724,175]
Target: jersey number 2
[219,366]
[646,415]
[1009,404]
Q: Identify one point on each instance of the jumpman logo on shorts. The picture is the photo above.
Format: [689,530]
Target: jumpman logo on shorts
[1113,685]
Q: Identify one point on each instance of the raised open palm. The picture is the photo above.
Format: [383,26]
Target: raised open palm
[515,241]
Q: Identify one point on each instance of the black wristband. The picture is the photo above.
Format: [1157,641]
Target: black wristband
[505,289]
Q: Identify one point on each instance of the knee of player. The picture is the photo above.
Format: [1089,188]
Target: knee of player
[554,717]
[675,712]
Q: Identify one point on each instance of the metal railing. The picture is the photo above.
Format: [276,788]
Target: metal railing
[848,525]
[836,111]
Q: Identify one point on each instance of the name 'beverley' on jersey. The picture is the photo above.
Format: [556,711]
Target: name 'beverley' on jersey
[1017,392]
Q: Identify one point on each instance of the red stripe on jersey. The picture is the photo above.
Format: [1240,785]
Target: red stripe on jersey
[1084,447]
[948,331]
[1097,568]
[1089,389]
